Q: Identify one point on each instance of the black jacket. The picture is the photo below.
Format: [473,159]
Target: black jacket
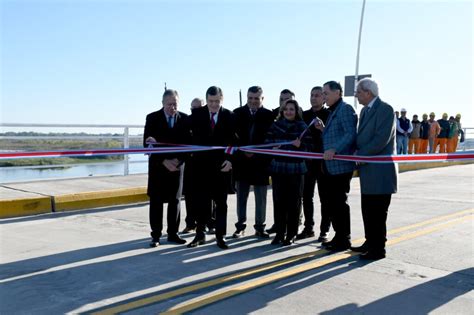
[251,130]
[162,182]
[316,135]
[202,134]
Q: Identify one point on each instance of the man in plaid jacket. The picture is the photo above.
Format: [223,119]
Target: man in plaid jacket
[339,136]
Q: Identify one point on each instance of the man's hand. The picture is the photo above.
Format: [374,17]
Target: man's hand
[171,165]
[150,139]
[296,142]
[226,166]
[318,124]
[329,154]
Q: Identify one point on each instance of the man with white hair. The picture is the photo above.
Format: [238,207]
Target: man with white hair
[378,181]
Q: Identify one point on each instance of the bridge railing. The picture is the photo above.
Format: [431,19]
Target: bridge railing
[77,132]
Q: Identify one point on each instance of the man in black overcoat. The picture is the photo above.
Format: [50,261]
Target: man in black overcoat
[253,122]
[212,125]
[167,125]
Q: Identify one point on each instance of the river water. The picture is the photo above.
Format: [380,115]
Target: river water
[9,174]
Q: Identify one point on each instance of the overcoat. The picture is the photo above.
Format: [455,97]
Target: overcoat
[161,182]
[251,130]
[376,136]
[207,164]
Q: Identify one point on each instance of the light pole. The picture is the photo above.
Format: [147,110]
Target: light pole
[356,77]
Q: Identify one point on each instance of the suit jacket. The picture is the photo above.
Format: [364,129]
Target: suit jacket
[162,182]
[207,164]
[251,130]
[316,135]
[376,136]
[340,134]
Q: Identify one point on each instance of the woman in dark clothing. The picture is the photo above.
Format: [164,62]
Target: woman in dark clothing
[288,173]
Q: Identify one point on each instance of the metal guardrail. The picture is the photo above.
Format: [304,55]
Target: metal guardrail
[125,138]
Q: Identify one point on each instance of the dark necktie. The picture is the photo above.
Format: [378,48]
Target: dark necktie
[213,121]
[170,121]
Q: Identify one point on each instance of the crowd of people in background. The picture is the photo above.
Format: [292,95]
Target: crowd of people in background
[330,127]
[428,135]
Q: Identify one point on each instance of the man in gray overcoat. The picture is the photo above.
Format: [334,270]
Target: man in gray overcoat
[378,181]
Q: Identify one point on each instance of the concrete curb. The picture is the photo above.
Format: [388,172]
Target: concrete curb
[24,206]
[96,199]
[85,200]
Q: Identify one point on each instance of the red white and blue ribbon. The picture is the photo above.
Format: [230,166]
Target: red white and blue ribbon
[441,157]
[258,149]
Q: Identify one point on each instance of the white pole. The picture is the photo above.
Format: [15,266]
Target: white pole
[356,77]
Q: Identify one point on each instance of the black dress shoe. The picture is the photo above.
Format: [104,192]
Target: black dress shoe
[288,241]
[238,233]
[271,230]
[188,229]
[176,239]
[262,234]
[154,242]
[278,240]
[198,240]
[305,234]
[323,237]
[372,256]
[360,249]
[323,240]
[338,247]
[328,243]
[221,243]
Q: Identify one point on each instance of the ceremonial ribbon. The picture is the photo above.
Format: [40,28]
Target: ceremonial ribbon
[258,149]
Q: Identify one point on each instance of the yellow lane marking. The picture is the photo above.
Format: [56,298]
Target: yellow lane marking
[433,220]
[209,283]
[238,289]
[240,274]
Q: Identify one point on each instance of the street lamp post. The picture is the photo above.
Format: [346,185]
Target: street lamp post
[356,77]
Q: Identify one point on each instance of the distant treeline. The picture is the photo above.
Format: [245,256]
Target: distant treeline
[61,144]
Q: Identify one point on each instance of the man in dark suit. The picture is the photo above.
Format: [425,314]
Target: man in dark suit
[319,114]
[339,137]
[191,212]
[212,125]
[252,123]
[378,181]
[167,125]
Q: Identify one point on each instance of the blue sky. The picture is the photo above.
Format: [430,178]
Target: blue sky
[105,62]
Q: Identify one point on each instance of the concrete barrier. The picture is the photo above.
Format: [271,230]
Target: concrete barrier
[96,199]
[24,206]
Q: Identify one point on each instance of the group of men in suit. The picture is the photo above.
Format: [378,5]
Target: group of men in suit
[334,131]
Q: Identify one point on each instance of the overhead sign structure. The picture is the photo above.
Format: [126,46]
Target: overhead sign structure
[349,83]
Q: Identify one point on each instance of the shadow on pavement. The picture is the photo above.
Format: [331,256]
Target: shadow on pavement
[65,290]
[420,299]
